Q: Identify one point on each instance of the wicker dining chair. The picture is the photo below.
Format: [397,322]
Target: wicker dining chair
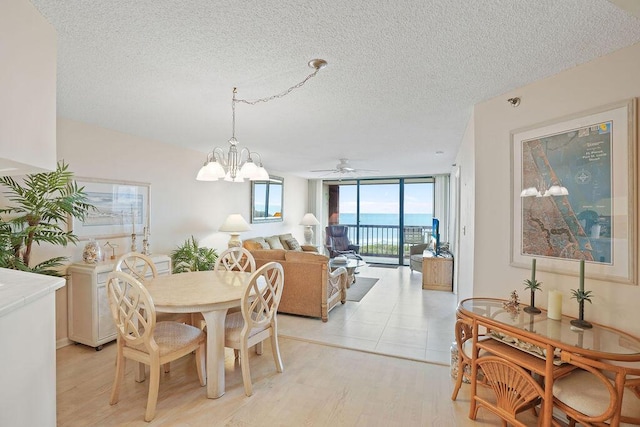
[598,393]
[514,388]
[257,321]
[464,337]
[144,340]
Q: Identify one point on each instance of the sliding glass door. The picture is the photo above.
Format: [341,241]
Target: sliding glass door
[385,216]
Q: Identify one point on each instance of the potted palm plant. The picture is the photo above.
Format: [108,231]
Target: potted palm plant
[39,208]
[190,256]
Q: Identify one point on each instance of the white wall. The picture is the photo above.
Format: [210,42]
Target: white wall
[464,254]
[28,88]
[180,205]
[603,81]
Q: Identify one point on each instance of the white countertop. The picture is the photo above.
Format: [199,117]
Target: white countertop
[18,288]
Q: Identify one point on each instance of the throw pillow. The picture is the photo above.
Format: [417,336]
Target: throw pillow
[293,244]
[252,245]
[274,242]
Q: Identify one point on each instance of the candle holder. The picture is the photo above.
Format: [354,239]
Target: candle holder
[581,296]
[134,245]
[533,285]
[145,247]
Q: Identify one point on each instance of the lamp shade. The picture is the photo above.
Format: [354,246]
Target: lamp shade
[234,223]
[309,219]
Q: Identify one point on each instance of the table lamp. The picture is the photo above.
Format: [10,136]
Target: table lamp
[309,220]
[234,225]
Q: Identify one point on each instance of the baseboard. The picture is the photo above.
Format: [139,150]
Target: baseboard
[63,342]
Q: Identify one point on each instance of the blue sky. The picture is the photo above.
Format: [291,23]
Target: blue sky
[383,198]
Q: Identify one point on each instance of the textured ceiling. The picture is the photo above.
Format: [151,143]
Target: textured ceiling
[401,82]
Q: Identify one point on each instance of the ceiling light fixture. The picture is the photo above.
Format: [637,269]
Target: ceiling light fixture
[238,164]
[554,190]
[514,101]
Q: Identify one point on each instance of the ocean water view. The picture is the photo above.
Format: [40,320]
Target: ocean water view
[387,219]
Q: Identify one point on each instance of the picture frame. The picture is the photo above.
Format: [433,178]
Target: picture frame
[591,155]
[122,208]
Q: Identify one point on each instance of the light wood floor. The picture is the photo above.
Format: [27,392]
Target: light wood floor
[320,386]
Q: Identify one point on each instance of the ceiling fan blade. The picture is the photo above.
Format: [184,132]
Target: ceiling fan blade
[324,170]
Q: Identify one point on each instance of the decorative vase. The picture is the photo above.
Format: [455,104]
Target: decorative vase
[532,309]
[92,252]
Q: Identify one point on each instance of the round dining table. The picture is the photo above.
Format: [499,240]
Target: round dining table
[211,293]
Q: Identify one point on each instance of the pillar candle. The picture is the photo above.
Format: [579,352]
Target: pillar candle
[554,306]
[533,270]
[581,275]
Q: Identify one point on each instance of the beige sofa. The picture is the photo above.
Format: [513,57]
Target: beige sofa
[309,288]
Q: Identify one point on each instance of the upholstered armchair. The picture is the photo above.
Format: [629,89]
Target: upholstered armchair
[338,242]
[415,256]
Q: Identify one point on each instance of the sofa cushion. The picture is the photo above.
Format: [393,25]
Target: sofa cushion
[283,239]
[269,254]
[308,257]
[293,244]
[252,245]
[274,242]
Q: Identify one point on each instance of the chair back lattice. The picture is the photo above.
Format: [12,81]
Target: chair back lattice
[262,296]
[514,388]
[131,307]
[236,259]
[138,265]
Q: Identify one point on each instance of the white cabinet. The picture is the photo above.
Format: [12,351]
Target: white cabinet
[90,320]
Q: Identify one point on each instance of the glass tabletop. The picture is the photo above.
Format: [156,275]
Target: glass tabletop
[351,263]
[560,333]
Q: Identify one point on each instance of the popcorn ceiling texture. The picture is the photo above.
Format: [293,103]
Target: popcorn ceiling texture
[403,76]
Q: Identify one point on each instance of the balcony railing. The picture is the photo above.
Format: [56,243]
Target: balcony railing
[384,240]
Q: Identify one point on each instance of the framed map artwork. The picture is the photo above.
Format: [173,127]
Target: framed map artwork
[574,194]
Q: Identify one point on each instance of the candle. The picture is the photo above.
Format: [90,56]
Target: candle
[554,305]
[581,276]
[533,270]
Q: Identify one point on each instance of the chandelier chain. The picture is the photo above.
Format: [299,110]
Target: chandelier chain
[279,95]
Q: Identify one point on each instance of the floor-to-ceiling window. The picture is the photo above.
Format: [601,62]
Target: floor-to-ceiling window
[385,216]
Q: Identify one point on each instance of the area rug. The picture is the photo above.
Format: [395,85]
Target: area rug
[360,287]
[374,264]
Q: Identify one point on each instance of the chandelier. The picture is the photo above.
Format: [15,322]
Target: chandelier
[238,164]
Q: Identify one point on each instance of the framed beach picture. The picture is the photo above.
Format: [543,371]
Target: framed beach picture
[574,194]
[122,208]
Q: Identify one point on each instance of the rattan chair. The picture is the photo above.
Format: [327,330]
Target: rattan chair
[141,339]
[598,393]
[464,337]
[514,388]
[257,320]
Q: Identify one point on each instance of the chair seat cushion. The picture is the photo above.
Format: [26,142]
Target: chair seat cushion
[233,325]
[171,336]
[584,392]
[416,258]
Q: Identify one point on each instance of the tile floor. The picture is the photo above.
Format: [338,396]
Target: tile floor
[396,317]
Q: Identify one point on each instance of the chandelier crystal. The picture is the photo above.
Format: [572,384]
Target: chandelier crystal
[238,164]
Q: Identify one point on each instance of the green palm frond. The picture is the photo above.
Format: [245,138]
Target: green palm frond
[191,257]
[532,285]
[581,295]
[38,211]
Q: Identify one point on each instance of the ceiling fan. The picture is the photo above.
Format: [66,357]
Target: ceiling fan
[344,168]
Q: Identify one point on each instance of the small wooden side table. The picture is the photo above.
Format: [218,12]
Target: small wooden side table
[437,272]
